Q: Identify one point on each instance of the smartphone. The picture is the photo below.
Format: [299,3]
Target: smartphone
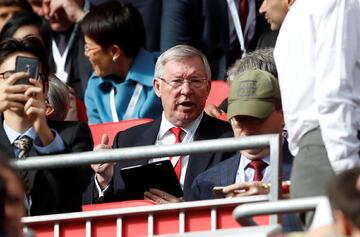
[29,65]
[218,192]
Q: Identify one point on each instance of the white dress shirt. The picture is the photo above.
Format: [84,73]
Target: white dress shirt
[167,137]
[246,174]
[317,55]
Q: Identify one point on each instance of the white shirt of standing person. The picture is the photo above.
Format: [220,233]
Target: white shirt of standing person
[317,55]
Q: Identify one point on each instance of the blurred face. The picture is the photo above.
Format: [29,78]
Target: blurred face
[275,12]
[14,204]
[183,104]
[59,21]
[6,12]
[100,58]
[247,126]
[27,30]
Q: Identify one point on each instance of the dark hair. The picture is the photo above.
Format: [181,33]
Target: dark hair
[19,3]
[344,195]
[27,19]
[115,23]
[30,45]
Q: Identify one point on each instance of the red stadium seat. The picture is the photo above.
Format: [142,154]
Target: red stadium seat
[111,129]
[219,91]
[110,205]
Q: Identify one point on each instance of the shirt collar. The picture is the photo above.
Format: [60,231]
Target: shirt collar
[166,125]
[245,161]
[13,135]
[142,71]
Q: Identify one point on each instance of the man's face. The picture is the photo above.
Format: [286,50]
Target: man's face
[14,204]
[247,126]
[6,12]
[275,12]
[59,22]
[100,58]
[184,104]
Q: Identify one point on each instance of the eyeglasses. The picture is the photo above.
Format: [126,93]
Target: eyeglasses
[193,82]
[5,75]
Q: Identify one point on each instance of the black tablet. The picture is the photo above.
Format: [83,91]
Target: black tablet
[160,175]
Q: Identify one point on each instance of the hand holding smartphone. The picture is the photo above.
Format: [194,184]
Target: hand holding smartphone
[29,65]
[218,192]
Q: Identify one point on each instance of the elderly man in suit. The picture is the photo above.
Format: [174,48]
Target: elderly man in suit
[254,109]
[182,81]
[25,132]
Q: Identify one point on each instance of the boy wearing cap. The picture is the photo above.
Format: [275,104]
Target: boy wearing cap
[254,109]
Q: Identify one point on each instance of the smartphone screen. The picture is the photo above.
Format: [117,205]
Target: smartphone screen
[29,65]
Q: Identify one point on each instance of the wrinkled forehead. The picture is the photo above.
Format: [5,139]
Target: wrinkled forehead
[191,66]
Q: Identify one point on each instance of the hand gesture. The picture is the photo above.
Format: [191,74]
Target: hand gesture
[160,197]
[72,9]
[13,96]
[35,110]
[213,110]
[246,189]
[104,171]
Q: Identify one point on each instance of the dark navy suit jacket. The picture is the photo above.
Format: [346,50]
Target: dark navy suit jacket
[146,134]
[224,174]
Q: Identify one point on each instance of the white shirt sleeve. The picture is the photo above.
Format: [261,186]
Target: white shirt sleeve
[337,88]
[100,191]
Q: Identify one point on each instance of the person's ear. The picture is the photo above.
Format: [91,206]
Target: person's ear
[49,110]
[116,52]
[156,85]
[290,3]
[208,88]
[342,223]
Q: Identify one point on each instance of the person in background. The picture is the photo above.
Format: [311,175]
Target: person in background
[259,59]
[57,99]
[319,80]
[254,109]
[210,26]
[121,86]
[26,24]
[344,196]
[9,8]
[26,132]
[182,81]
[29,24]
[67,42]
[12,201]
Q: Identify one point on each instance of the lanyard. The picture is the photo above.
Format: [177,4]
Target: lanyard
[237,24]
[131,106]
[60,59]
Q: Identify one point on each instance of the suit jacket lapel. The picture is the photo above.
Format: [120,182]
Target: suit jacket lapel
[198,162]
[228,175]
[5,146]
[148,137]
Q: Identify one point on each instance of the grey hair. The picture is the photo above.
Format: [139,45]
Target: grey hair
[262,59]
[180,52]
[58,96]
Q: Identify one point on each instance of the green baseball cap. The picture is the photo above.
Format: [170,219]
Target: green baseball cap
[253,93]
